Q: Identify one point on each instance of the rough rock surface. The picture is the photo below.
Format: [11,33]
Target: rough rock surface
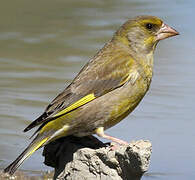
[88,158]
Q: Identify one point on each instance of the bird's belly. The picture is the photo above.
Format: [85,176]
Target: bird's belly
[126,102]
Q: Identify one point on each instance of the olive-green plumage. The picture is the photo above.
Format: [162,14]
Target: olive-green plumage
[106,90]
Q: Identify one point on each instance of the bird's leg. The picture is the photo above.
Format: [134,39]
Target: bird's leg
[100,132]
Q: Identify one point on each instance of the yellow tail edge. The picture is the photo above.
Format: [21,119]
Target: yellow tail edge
[34,145]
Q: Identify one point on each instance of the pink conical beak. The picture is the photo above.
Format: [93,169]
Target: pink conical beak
[165,32]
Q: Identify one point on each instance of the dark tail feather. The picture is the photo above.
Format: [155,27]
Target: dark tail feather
[15,165]
[36,144]
[36,122]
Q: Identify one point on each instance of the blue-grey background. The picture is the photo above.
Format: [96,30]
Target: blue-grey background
[43,45]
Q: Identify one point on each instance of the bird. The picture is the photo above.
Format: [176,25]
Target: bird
[105,91]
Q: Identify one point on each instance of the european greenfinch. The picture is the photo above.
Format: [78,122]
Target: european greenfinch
[106,90]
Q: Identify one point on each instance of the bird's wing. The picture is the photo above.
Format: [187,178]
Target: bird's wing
[97,78]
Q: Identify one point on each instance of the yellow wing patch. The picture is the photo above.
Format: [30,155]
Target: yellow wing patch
[77,104]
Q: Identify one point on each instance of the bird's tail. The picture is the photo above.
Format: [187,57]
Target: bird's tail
[34,145]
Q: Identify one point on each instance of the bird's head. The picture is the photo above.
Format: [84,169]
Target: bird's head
[142,33]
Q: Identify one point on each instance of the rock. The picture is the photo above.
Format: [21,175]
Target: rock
[88,158]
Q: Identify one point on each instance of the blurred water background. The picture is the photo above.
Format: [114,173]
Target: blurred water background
[43,45]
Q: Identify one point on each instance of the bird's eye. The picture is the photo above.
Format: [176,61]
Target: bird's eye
[149,26]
